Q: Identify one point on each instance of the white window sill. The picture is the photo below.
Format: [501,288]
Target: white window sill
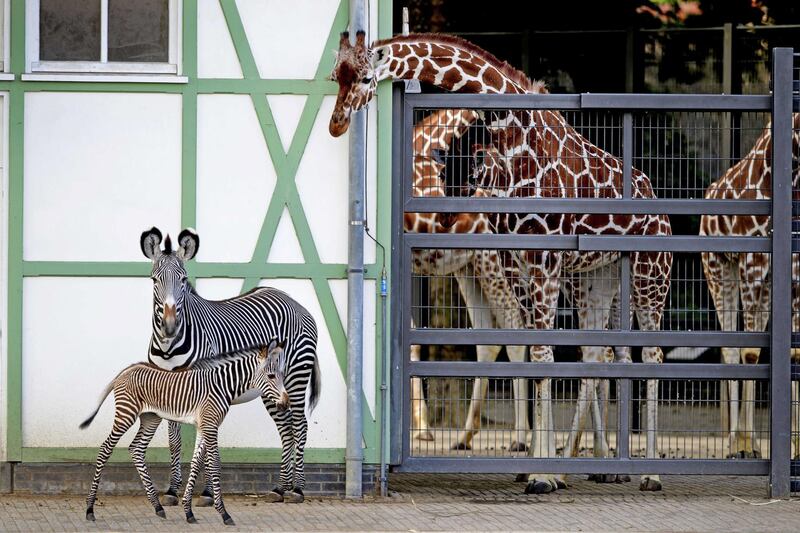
[6,76]
[104,78]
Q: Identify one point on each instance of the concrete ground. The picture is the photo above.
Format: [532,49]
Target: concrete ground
[445,503]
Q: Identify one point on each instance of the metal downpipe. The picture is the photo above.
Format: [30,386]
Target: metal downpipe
[354,454]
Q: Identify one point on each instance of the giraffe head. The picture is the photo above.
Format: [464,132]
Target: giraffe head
[354,73]
[491,172]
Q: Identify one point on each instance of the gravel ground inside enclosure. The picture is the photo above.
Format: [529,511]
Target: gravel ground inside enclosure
[445,503]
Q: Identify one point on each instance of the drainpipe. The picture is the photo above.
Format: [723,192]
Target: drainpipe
[354,454]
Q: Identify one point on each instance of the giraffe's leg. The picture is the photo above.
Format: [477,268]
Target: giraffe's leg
[542,270]
[756,292]
[122,422]
[419,409]
[517,354]
[170,497]
[196,465]
[723,284]
[283,421]
[650,275]
[148,424]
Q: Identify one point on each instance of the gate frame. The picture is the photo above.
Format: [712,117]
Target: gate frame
[406,98]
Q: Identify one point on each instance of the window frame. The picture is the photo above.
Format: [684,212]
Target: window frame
[173,66]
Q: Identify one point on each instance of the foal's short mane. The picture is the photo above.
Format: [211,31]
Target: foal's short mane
[512,73]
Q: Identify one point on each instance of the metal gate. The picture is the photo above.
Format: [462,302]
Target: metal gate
[675,140]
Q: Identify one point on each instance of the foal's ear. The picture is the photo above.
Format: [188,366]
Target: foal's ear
[188,244]
[263,351]
[150,242]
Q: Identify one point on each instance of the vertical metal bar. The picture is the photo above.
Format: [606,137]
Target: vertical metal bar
[627,154]
[727,88]
[396,389]
[781,331]
[405,328]
[624,419]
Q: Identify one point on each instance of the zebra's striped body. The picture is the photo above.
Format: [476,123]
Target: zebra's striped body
[200,396]
[188,328]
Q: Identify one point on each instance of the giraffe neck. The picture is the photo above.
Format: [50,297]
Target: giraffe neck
[449,63]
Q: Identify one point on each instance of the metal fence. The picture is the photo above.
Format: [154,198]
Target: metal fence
[479,415]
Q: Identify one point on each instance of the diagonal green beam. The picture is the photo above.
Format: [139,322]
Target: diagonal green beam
[239,37]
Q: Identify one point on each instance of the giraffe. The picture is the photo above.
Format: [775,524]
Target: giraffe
[456,65]
[745,278]
[492,303]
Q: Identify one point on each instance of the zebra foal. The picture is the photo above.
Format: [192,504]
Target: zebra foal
[200,396]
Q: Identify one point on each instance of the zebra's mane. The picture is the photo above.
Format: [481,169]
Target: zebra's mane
[226,358]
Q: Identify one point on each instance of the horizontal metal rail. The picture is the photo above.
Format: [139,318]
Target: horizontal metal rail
[590,206]
[587,370]
[587,243]
[584,465]
[644,102]
[582,337]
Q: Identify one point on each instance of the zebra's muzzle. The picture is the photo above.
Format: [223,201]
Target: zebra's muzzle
[283,403]
[170,319]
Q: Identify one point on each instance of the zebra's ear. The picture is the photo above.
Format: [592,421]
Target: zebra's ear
[150,242]
[188,244]
[263,352]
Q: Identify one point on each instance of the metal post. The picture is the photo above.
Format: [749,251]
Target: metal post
[781,332]
[354,455]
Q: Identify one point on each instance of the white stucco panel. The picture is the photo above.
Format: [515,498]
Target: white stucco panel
[71,351]
[218,288]
[99,169]
[216,56]
[287,38]
[322,182]
[235,177]
[286,110]
[371,350]
[285,247]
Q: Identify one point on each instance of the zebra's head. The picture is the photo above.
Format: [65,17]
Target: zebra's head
[170,283]
[269,378]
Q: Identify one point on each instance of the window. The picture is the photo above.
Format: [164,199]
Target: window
[104,36]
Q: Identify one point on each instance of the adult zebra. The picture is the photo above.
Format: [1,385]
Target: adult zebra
[187,328]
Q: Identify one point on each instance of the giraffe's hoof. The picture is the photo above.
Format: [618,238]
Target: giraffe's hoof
[521,478]
[226,518]
[561,484]
[294,496]
[274,496]
[539,487]
[623,478]
[518,447]
[205,501]
[90,515]
[461,446]
[650,485]
[745,454]
[605,478]
[425,435]
[170,499]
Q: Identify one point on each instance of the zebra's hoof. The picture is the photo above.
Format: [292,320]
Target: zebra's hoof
[521,478]
[190,518]
[294,496]
[650,485]
[539,487]
[160,512]
[461,446]
[170,499]
[205,501]
[226,518]
[518,447]
[90,515]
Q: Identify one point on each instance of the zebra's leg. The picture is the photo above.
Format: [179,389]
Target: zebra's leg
[283,421]
[212,460]
[197,461]
[148,424]
[170,497]
[300,432]
[122,422]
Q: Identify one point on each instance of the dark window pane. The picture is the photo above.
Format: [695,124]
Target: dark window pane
[138,30]
[69,30]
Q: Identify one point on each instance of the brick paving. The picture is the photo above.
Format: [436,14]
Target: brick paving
[444,503]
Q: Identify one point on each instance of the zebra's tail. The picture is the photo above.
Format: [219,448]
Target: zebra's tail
[106,392]
[316,386]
